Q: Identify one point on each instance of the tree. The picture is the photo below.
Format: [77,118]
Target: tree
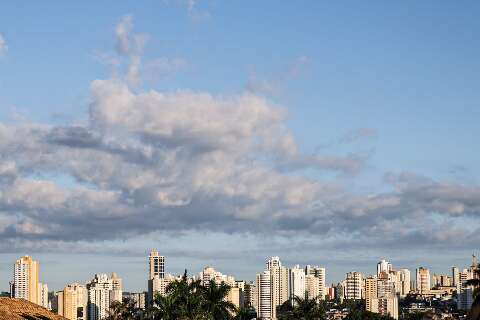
[358,314]
[125,310]
[214,304]
[307,308]
[245,313]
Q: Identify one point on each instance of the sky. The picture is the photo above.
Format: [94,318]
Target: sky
[226,132]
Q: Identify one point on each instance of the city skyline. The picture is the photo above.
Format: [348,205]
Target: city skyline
[144,285]
[324,133]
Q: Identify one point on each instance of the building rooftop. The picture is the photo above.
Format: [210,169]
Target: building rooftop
[20,309]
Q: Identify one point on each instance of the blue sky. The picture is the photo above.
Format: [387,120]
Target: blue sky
[393,84]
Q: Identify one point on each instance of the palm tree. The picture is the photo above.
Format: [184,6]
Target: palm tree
[307,308]
[214,304]
[165,308]
[474,313]
[125,310]
[245,313]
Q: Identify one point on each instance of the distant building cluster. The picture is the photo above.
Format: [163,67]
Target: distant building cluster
[276,285]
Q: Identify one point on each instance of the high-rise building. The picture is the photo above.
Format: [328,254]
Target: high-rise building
[297,282]
[102,291]
[157,285]
[209,273]
[25,279]
[272,288]
[265,307]
[320,274]
[404,282]
[371,293]
[156,264]
[423,280]
[280,281]
[72,302]
[353,286]
[465,296]
[42,295]
[312,286]
[139,298]
[456,278]
[381,296]
[384,266]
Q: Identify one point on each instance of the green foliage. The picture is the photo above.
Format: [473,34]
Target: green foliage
[185,300]
[302,309]
[359,314]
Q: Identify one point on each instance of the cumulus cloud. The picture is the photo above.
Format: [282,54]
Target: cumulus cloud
[187,161]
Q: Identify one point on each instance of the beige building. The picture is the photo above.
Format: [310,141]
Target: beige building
[423,280]
[156,264]
[102,291]
[371,294]
[72,302]
[26,279]
[381,296]
[320,274]
[353,286]
[42,295]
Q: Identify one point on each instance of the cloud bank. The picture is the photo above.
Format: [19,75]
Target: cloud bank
[187,161]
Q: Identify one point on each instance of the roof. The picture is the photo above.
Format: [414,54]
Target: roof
[20,309]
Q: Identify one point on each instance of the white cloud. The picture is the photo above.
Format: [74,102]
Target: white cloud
[150,161]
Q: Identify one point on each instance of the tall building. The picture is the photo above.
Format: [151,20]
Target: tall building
[371,294]
[456,278]
[209,273]
[353,286]
[320,274]
[465,296]
[265,306]
[312,286]
[280,281]
[102,291]
[404,282]
[271,288]
[73,301]
[423,280]
[381,296]
[384,266]
[139,298]
[297,282]
[156,275]
[156,264]
[42,295]
[157,285]
[25,279]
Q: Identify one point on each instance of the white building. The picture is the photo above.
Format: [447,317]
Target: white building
[384,266]
[102,291]
[265,306]
[271,289]
[320,274]
[42,295]
[456,278]
[297,282]
[353,286]
[404,280]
